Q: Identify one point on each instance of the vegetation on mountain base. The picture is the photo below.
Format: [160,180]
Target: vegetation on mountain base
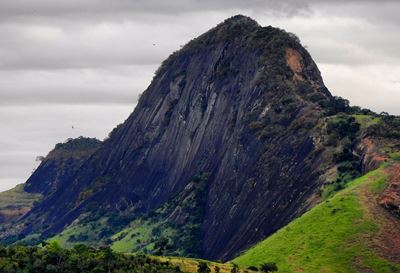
[53,259]
[173,229]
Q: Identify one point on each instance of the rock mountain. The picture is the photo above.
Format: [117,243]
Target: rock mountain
[232,140]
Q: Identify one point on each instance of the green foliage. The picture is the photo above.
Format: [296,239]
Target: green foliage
[379,185]
[94,231]
[268,267]
[395,156]
[173,229]
[203,268]
[342,126]
[78,144]
[388,127]
[343,131]
[235,269]
[366,121]
[54,259]
[328,238]
[161,246]
[337,105]
[227,31]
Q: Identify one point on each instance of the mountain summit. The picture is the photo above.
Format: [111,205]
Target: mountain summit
[230,142]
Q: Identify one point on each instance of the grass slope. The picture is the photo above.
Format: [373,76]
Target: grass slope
[142,236]
[332,237]
[366,120]
[17,197]
[85,233]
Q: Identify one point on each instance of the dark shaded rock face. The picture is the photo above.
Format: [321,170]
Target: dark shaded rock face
[240,103]
[61,164]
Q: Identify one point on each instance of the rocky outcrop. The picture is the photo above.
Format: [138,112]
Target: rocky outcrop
[59,166]
[371,155]
[241,103]
[390,198]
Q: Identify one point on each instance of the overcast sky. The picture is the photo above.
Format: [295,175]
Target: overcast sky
[84,63]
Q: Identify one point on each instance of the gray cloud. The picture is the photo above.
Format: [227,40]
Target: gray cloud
[119,85]
[34,130]
[88,8]
[104,44]
[124,33]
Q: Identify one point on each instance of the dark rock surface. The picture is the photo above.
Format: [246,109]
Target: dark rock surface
[60,165]
[241,103]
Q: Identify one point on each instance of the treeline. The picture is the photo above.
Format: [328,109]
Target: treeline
[51,258]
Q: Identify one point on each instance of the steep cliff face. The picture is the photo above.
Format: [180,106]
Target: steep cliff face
[243,104]
[56,169]
[60,165]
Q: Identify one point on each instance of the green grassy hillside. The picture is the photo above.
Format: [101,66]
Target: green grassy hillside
[342,234]
[17,197]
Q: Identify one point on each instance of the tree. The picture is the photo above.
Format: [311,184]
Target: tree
[217,269]
[338,105]
[39,158]
[269,267]
[235,269]
[161,245]
[202,267]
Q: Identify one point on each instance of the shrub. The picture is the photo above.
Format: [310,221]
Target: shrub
[202,267]
[269,267]
[52,258]
[235,269]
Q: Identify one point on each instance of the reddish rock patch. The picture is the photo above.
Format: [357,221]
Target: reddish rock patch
[390,198]
[386,241]
[7,214]
[372,158]
[15,211]
[295,62]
